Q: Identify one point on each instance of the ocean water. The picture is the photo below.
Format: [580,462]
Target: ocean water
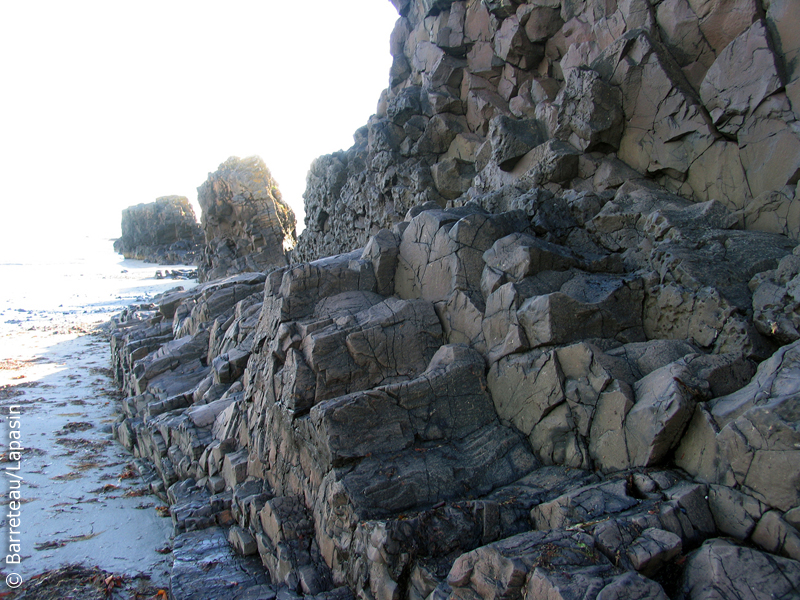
[81,282]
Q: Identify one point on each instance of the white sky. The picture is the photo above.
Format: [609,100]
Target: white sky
[105,104]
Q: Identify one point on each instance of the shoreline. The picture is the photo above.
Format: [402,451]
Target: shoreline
[80,496]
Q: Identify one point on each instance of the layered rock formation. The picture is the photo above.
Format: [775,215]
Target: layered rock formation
[578,379]
[248,227]
[464,409]
[165,232]
[699,96]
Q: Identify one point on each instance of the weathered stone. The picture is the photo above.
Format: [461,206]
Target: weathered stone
[720,569]
[774,211]
[776,301]
[512,138]
[543,22]
[248,226]
[742,76]
[770,149]
[452,177]
[165,231]
[721,21]
[586,306]
[775,535]
[735,514]
[748,437]
[665,401]
[511,44]
[666,128]
[551,162]
[441,251]
[519,255]
[680,31]
[782,19]
[590,112]
[382,250]
[204,567]
[461,317]
[651,550]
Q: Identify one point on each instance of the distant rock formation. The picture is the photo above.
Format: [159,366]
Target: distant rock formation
[248,227]
[699,96]
[164,232]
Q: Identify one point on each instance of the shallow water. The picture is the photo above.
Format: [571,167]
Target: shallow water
[83,282]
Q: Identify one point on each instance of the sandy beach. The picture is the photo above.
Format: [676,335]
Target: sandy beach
[79,496]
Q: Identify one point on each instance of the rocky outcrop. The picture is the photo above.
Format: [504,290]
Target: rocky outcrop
[700,97]
[549,354]
[164,232]
[248,227]
[527,400]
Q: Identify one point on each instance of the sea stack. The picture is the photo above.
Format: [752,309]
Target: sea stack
[248,227]
[165,232]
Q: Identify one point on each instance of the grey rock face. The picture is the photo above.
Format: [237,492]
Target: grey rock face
[721,569]
[165,232]
[522,360]
[247,225]
[507,348]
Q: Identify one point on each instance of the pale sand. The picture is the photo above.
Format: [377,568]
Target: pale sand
[76,508]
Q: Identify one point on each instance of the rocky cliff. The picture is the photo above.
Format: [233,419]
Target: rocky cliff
[248,227]
[493,98]
[578,379]
[165,232]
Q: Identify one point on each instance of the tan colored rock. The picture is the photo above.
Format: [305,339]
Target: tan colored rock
[543,22]
[680,30]
[482,106]
[721,21]
[770,149]
[551,162]
[776,212]
[627,16]
[479,24]
[717,174]
[482,60]
[744,74]
[748,438]
[666,129]
[590,113]
[447,31]
[452,177]
[512,45]
[464,147]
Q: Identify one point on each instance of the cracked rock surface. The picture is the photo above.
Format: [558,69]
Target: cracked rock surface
[539,338]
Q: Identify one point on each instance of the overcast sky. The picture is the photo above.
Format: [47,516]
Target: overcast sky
[106,103]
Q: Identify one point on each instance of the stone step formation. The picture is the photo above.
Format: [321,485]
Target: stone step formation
[540,338]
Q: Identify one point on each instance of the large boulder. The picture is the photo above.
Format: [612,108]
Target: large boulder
[247,224]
